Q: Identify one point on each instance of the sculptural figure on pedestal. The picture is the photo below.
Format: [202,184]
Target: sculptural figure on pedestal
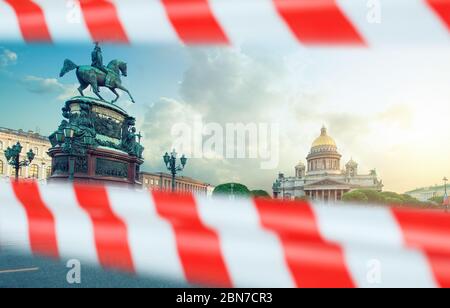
[96,140]
[129,142]
[96,75]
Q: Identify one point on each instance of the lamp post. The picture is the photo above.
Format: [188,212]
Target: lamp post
[445,184]
[13,157]
[445,200]
[171,164]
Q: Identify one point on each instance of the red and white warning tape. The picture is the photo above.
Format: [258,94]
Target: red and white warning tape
[241,243]
[308,22]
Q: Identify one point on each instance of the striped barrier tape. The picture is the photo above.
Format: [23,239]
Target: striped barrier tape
[228,22]
[218,242]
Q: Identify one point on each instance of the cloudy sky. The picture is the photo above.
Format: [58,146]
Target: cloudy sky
[386,108]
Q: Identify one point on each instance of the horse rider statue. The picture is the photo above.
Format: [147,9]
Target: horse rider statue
[97,75]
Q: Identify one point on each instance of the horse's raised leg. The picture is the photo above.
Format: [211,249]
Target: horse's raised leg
[126,90]
[117,95]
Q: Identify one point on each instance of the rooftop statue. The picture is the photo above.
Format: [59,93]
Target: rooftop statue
[97,75]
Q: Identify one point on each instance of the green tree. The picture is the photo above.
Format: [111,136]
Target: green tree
[260,194]
[393,201]
[407,199]
[437,199]
[355,196]
[386,197]
[373,196]
[390,194]
[231,189]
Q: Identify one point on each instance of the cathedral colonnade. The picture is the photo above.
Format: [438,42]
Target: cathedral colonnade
[327,194]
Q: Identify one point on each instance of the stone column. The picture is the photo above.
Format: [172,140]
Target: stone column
[42,172]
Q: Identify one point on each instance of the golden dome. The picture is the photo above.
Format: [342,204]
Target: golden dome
[324,139]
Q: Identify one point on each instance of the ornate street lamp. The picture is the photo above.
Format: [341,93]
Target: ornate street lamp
[13,157]
[60,137]
[171,164]
[69,132]
[445,200]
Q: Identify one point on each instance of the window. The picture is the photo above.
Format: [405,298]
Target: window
[48,171]
[36,151]
[1,167]
[34,172]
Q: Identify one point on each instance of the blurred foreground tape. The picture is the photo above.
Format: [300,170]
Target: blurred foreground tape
[228,22]
[216,242]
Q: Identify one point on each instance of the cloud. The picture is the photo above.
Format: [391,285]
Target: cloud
[402,115]
[365,112]
[159,118]
[229,83]
[228,86]
[7,57]
[156,126]
[40,85]
[221,86]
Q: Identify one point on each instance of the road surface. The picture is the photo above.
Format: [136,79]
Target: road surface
[26,272]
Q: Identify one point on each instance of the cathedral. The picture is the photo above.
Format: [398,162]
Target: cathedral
[322,178]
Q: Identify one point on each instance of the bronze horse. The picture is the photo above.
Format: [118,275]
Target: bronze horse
[91,76]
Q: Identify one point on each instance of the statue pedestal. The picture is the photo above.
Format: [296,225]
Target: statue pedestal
[103,148]
[99,166]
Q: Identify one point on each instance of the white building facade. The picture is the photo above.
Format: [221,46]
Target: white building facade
[41,166]
[426,193]
[322,178]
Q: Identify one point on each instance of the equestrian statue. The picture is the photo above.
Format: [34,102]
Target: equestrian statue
[97,75]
